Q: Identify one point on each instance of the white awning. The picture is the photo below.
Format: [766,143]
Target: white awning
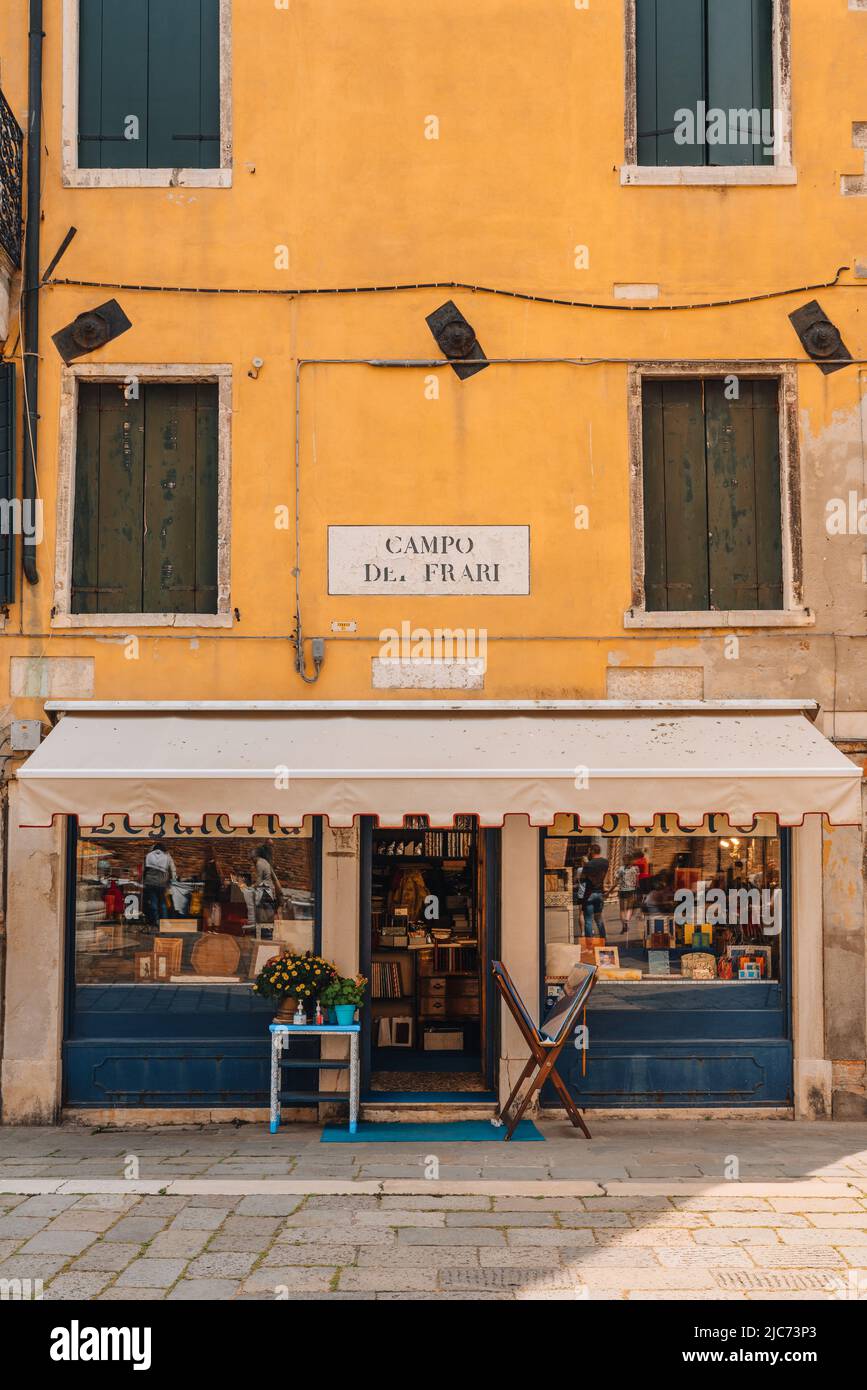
[438,762]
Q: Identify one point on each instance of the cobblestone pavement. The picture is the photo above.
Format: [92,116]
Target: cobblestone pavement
[648,1210]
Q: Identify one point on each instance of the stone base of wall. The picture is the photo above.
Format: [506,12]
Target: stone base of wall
[849,1096]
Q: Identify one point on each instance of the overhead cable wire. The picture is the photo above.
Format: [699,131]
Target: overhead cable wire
[299,292]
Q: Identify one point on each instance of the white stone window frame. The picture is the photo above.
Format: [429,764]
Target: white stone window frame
[781,173]
[146,373]
[73,176]
[793,613]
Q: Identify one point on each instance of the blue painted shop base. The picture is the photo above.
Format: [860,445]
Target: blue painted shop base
[217,1073]
[678,1075]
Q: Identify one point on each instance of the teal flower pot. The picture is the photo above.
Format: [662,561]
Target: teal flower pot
[345,1014]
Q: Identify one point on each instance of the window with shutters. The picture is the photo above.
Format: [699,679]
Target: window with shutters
[716,500]
[146,92]
[144,501]
[145,534]
[708,91]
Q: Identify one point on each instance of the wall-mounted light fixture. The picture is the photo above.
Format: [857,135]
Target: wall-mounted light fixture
[457,340]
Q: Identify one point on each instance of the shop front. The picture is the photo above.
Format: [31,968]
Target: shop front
[691,932]
[165,939]
[414,844]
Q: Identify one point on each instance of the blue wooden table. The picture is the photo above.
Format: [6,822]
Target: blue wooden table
[281,1036]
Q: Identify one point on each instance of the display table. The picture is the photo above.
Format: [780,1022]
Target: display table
[281,1036]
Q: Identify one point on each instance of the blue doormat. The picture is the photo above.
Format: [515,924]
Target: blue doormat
[450,1132]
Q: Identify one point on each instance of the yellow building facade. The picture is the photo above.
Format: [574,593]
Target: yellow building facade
[477,539]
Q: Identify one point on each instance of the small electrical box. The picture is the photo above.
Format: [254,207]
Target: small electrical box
[25,735]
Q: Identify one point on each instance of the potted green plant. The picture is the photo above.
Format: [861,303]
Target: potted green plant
[344,995]
[292,979]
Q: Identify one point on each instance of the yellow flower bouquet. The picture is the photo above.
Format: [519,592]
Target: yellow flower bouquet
[293,976]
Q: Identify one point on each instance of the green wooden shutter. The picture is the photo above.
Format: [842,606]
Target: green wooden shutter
[712,496]
[7,480]
[670,63]
[145,526]
[744,501]
[675,497]
[740,72]
[207,497]
[715,52]
[158,60]
[109,499]
[112,83]
[184,80]
[180,544]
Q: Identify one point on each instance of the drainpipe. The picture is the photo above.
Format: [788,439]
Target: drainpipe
[30,290]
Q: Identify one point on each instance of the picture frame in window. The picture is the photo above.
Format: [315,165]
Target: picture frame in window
[167,957]
[144,967]
[607,957]
[737,953]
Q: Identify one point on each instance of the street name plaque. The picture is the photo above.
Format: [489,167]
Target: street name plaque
[436,560]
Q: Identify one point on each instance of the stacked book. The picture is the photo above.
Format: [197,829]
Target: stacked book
[386,982]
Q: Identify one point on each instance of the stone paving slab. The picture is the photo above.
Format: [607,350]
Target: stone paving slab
[307,1227]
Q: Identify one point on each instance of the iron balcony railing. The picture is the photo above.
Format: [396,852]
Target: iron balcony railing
[11,162]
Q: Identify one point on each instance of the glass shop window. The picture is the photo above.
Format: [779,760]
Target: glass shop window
[190,910]
[657,906]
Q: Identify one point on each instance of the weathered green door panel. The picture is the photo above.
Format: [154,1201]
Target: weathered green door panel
[670,48]
[184,84]
[731,497]
[170,499]
[145,525]
[121,501]
[106,550]
[7,479]
[769,505]
[712,495]
[741,524]
[85,532]
[655,569]
[207,494]
[685,496]
[676,505]
[113,62]
[739,66]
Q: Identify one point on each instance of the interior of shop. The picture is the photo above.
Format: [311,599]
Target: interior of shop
[182,911]
[656,907]
[427,951]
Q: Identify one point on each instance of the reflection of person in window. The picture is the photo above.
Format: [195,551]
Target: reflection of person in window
[268,891]
[627,891]
[159,870]
[249,893]
[593,877]
[214,876]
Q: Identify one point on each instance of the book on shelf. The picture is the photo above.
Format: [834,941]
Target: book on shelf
[386,981]
[447,844]
[453,959]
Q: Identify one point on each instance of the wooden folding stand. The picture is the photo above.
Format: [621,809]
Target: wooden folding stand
[544,1051]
